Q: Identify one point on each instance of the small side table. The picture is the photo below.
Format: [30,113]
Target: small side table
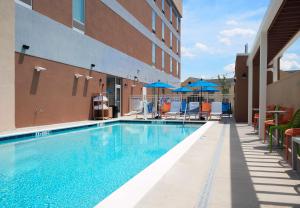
[295,143]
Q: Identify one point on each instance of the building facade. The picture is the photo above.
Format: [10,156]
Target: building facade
[66,51]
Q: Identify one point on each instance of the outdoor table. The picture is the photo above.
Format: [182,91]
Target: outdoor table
[276,115]
[295,143]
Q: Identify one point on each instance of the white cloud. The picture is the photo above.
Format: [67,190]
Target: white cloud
[290,61]
[237,32]
[201,46]
[196,50]
[225,41]
[230,67]
[232,22]
[187,52]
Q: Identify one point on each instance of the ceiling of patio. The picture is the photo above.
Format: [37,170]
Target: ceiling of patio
[284,27]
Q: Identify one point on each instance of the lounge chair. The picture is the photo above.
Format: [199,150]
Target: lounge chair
[206,110]
[175,109]
[216,109]
[193,109]
[137,108]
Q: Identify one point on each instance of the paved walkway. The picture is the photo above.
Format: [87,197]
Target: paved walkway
[228,167]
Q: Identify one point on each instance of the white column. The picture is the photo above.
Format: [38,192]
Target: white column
[250,90]
[263,81]
[275,69]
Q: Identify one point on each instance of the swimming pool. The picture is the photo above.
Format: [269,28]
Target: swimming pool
[79,168]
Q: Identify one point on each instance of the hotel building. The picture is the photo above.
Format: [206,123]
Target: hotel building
[55,55]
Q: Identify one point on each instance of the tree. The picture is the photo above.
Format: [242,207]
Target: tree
[224,84]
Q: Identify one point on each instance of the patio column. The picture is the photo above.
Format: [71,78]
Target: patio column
[276,69]
[263,81]
[250,90]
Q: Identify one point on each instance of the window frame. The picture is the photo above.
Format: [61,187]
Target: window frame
[171,65]
[22,3]
[163,60]
[171,39]
[153,54]
[163,31]
[163,6]
[153,19]
[171,13]
[81,27]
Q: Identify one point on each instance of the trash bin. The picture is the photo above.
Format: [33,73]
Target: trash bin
[114,111]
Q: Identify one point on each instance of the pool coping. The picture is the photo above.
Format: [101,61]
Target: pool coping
[130,193]
[49,129]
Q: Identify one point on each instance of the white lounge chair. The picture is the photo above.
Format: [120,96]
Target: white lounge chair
[137,108]
[175,109]
[193,109]
[216,109]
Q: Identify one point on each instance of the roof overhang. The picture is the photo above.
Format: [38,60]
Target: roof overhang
[282,24]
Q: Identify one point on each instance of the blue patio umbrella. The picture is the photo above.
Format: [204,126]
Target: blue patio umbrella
[202,84]
[208,89]
[158,85]
[182,90]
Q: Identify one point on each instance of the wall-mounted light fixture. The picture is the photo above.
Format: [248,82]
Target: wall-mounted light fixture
[77,75]
[135,80]
[93,66]
[88,77]
[244,76]
[25,47]
[39,68]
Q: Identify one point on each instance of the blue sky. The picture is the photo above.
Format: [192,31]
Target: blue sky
[213,31]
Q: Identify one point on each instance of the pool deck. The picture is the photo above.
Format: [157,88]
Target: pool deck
[230,167]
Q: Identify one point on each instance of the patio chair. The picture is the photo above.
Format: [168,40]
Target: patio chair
[137,108]
[184,106]
[289,133]
[216,109]
[269,116]
[175,109]
[206,110]
[294,123]
[193,109]
[285,118]
[226,108]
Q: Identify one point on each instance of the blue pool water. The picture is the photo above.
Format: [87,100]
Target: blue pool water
[80,168]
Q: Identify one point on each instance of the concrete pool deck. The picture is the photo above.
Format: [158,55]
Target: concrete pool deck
[230,167]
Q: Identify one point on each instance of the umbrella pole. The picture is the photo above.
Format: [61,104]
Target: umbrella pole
[158,114]
[201,105]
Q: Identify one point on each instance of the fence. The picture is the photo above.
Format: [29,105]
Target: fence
[135,103]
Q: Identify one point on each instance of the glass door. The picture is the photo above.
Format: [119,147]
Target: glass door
[118,98]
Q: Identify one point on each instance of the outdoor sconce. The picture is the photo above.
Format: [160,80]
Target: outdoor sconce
[78,75]
[39,68]
[135,80]
[88,77]
[125,84]
[93,66]
[25,47]
[244,76]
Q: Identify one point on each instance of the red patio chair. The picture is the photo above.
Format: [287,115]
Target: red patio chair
[289,133]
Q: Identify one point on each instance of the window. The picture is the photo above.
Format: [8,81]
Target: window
[177,46]
[162,60]
[78,14]
[163,31]
[153,21]
[171,64]
[25,3]
[177,23]
[163,6]
[171,12]
[177,68]
[171,40]
[153,54]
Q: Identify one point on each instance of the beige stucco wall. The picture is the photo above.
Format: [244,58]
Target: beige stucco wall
[7,64]
[286,91]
